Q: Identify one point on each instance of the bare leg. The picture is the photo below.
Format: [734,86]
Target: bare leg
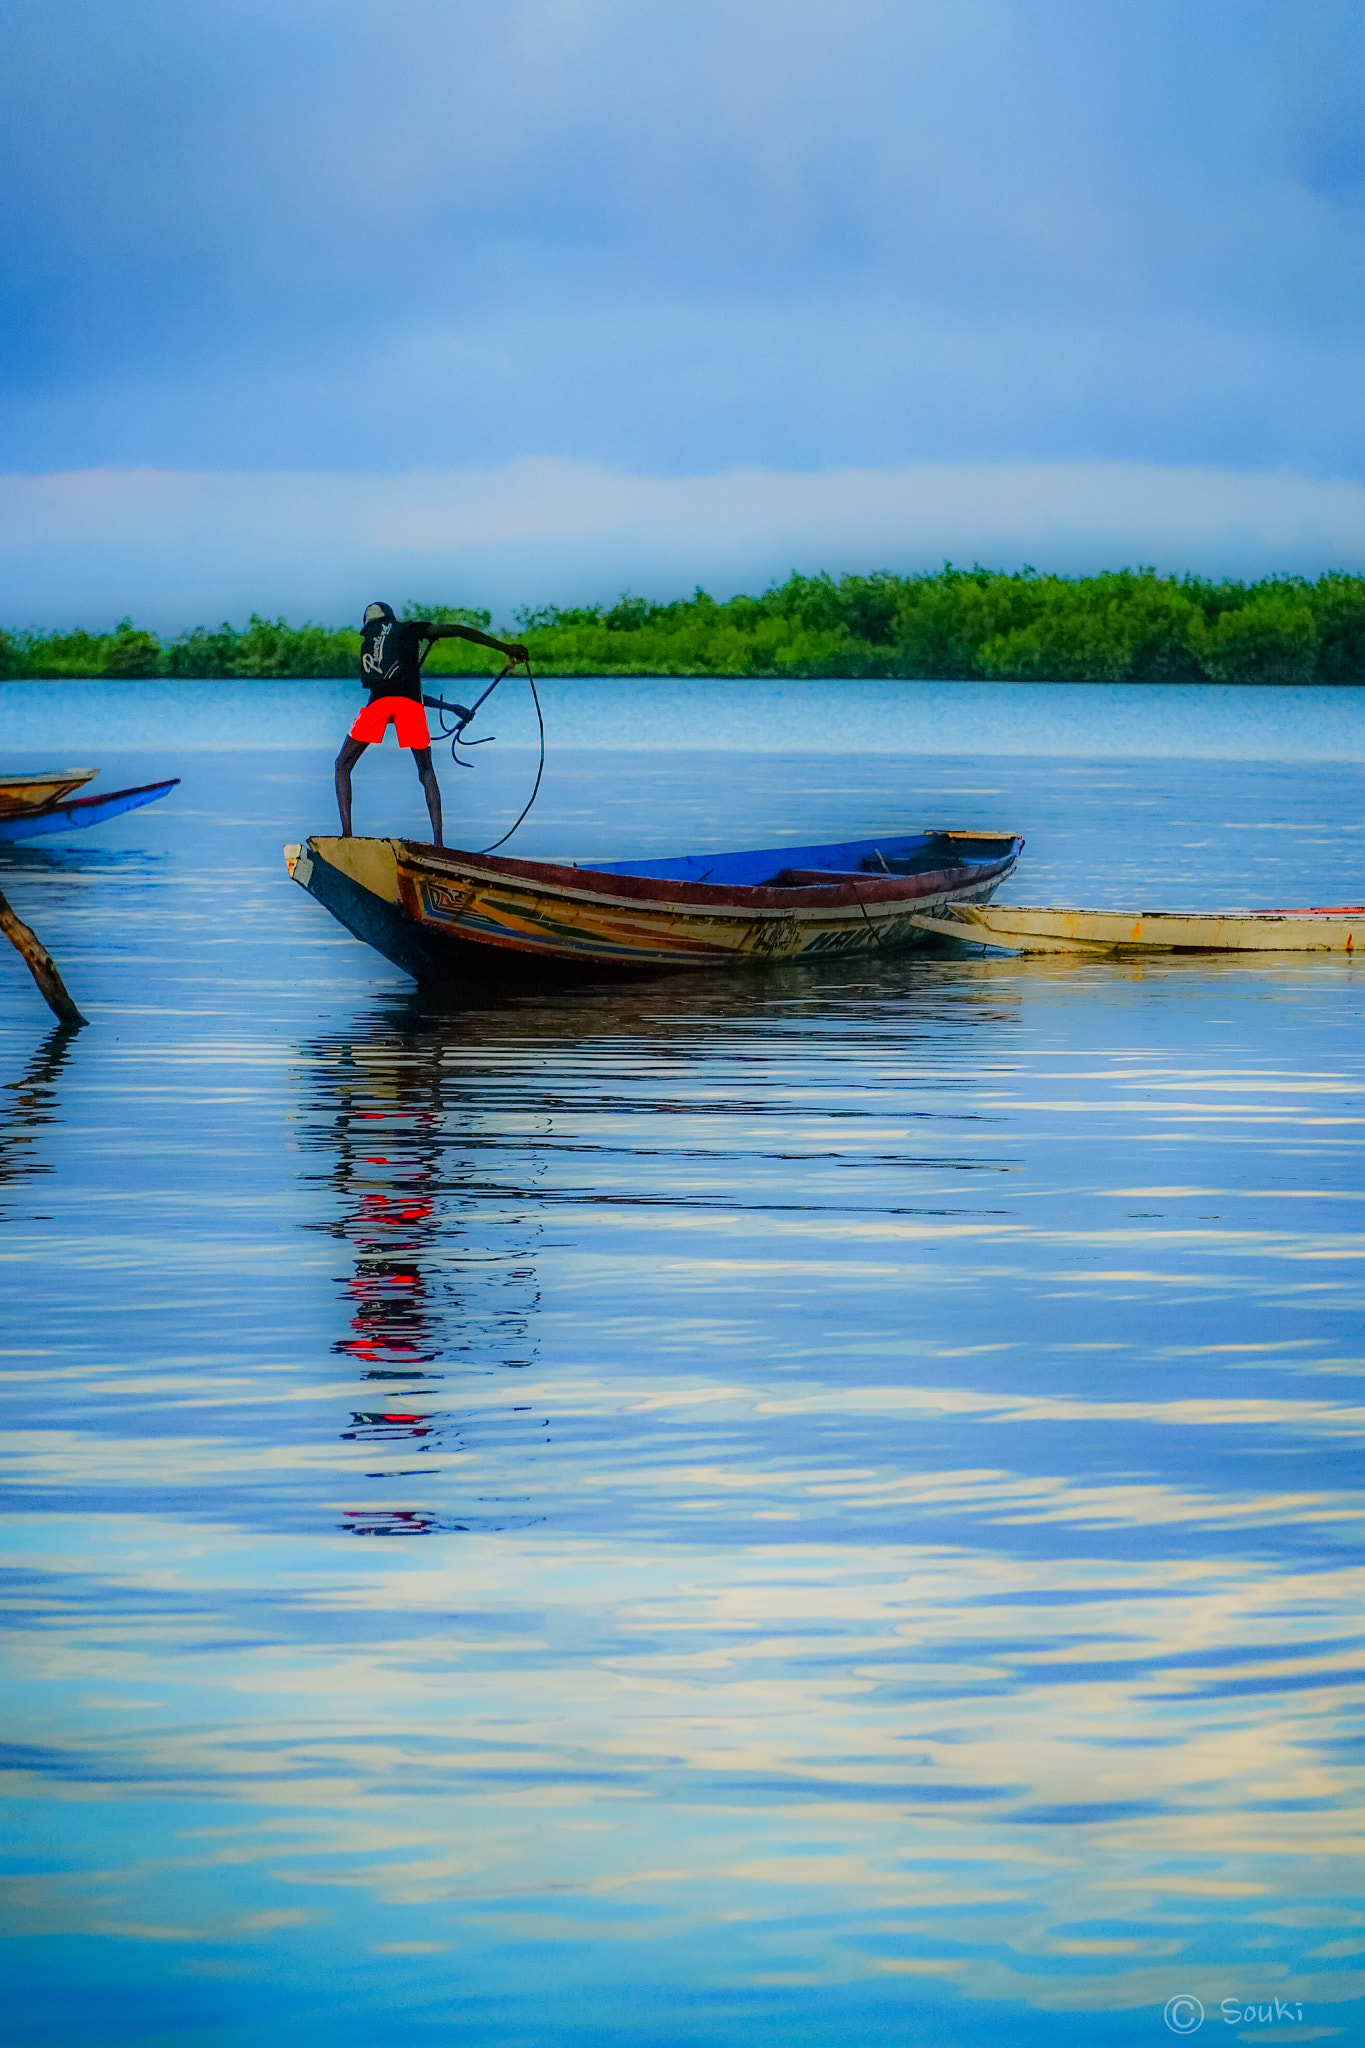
[431,789]
[350,753]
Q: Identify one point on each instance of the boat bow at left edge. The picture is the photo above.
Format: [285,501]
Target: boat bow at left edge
[81,812]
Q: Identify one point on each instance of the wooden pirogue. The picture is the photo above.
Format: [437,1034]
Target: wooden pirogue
[1017,928]
[442,915]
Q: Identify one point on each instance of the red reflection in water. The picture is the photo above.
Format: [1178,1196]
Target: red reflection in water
[387,1522]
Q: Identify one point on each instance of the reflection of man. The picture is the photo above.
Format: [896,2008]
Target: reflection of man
[391,651]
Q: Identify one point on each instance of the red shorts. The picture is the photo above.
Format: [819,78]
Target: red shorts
[409,721]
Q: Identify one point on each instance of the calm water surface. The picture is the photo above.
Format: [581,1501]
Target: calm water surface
[799,1509]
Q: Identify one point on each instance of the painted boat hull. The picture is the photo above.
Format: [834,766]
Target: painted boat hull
[1019,929]
[83,811]
[444,915]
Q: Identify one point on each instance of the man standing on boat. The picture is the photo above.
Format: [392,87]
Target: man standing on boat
[391,653]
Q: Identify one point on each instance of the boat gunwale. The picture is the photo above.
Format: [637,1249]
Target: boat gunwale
[1347,913]
[16,826]
[109,796]
[850,890]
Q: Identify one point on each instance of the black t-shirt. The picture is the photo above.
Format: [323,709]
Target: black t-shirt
[391,658]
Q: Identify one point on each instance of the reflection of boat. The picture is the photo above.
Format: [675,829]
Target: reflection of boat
[31,805]
[441,914]
[1025,930]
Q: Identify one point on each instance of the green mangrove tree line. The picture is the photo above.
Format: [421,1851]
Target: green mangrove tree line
[974,624]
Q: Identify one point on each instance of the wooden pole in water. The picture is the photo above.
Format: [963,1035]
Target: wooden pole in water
[41,965]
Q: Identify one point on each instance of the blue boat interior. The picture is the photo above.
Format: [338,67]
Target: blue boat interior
[775,866]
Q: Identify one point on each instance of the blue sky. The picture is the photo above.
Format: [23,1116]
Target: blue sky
[667,241]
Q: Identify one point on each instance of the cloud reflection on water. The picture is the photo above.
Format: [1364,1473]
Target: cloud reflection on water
[872,1581]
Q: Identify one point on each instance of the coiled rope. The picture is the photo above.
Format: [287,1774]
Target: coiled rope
[455,734]
[540,769]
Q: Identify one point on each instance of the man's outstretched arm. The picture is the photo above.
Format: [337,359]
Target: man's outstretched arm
[510,649]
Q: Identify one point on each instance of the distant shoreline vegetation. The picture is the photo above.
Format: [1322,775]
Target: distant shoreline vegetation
[1128,626]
